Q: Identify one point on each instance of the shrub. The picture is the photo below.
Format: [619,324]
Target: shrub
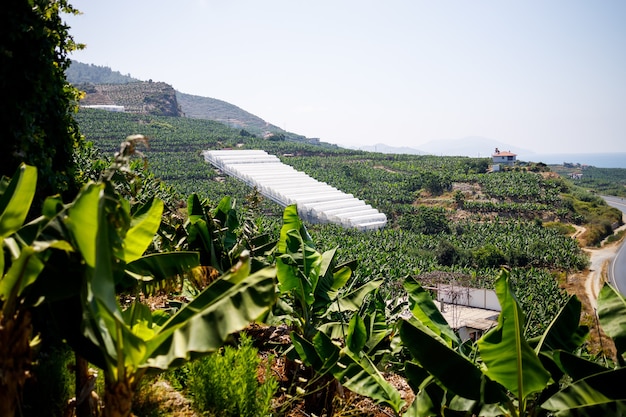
[226,383]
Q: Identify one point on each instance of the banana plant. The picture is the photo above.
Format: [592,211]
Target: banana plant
[596,389]
[503,373]
[133,341]
[313,282]
[315,285]
[20,266]
[348,364]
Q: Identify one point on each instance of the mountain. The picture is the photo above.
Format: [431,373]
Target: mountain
[198,107]
[103,86]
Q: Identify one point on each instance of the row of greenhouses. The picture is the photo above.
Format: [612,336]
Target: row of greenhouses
[317,201]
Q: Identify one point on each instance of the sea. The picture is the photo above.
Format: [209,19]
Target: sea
[599,160]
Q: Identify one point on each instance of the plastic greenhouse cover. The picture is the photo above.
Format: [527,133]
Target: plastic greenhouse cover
[316,201]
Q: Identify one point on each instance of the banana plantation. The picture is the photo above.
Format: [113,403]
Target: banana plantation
[162,267]
[157,285]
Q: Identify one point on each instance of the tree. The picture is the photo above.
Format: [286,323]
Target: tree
[36,123]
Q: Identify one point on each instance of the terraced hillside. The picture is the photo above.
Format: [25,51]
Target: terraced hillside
[143,97]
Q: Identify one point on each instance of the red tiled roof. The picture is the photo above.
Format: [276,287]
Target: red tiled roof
[504,153]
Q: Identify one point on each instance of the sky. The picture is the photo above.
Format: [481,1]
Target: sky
[548,76]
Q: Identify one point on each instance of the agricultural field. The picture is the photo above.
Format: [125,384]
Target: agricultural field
[603,181]
[445,213]
[193,280]
[158,286]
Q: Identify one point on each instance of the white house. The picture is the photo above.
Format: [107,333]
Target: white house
[504,157]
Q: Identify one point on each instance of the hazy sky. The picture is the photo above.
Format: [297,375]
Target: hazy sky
[549,76]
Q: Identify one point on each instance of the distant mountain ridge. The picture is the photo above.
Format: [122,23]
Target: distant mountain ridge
[103,86]
[198,107]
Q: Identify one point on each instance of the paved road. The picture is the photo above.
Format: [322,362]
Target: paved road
[617,271]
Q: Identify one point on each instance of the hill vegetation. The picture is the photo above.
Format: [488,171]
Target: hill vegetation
[79,73]
[450,221]
[604,181]
[103,86]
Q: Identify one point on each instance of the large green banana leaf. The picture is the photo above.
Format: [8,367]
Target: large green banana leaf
[611,313]
[352,300]
[425,310]
[298,267]
[446,364]
[601,394]
[576,367]
[564,332]
[16,198]
[291,221]
[83,220]
[23,272]
[144,225]
[203,325]
[160,266]
[507,356]
[139,339]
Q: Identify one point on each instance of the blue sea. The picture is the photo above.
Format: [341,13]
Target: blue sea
[599,160]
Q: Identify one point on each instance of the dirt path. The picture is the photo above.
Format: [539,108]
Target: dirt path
[587,285]
[600,260]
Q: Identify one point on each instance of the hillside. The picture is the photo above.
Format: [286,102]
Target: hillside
[103,86]
[143,97]
[198,107]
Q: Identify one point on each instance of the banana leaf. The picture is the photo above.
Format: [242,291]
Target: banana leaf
[353,300]
[601,394]
[445,364]
[611,313]
[144,225]
[575,366]
[160,266]
[508,357]
[564,332]
[203,325]
[16,199]
[425,310]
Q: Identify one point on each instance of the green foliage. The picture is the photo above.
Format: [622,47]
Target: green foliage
[49,392]
[604,181]
[562,228]
[318,298]
[225,383]
[102,245]
[20,267]
[508,357]
[598,216]
[425,220]
[79,73]
[36,124]
[503,372]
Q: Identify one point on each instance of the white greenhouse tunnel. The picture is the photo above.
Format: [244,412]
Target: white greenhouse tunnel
[317,202]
